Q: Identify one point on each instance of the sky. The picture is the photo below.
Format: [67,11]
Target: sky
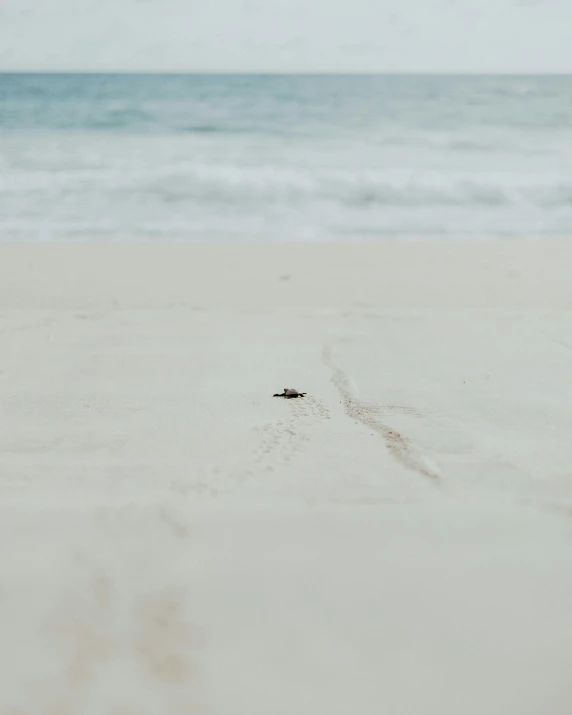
[521,36]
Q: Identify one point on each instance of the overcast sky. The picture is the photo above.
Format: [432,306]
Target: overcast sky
[287,35]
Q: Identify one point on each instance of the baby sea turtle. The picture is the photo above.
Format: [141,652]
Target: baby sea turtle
[289,393]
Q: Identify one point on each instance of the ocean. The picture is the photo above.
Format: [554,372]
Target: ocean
[284,158]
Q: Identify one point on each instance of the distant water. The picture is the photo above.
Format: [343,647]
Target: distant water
[273,158]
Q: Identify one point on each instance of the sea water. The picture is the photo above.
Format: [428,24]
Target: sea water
[284,158]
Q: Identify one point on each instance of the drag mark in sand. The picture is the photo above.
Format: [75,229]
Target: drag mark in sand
[399,446]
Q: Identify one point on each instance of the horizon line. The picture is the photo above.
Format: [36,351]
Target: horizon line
[279,73]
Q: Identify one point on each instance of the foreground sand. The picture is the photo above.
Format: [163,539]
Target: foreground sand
[173,540]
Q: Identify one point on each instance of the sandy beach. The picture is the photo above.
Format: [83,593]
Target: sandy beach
[175,541]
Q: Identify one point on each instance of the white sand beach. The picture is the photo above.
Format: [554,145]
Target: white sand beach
[176,541]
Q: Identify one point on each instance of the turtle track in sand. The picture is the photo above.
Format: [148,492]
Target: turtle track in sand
[279,442]
[397,444]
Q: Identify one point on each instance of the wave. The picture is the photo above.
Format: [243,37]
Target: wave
[205,129]
[243,185]
[254,185]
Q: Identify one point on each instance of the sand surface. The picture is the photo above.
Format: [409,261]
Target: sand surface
[174,541]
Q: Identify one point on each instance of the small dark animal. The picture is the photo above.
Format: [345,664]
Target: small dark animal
[290,393]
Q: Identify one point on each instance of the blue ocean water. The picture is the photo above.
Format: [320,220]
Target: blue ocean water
[284,158]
